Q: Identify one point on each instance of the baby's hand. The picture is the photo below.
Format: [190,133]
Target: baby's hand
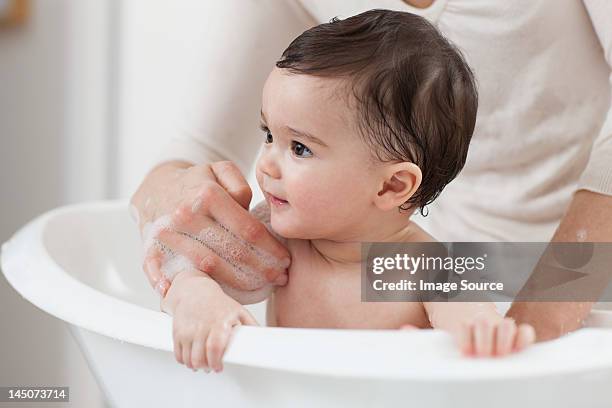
[202,326]
[484,337]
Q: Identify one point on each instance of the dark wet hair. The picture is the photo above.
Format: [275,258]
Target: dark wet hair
[416,96]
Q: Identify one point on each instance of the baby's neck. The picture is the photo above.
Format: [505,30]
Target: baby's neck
[348,251]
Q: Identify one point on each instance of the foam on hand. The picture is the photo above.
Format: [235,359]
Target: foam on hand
[234,250]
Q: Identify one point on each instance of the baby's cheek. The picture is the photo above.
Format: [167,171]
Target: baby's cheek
[325,206]
[313,201]
[259,178]
[302,219]
[320,204]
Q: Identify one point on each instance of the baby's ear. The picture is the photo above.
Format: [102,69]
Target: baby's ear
[400,182]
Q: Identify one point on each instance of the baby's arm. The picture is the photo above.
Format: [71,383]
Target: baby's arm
[478,328]
[204,312]
[203,318]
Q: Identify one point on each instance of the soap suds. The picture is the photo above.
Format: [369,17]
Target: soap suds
[234,250]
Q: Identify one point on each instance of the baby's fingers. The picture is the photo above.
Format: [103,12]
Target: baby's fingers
[198,354]
[215,345]
[525,336]
[178,351]
[465,339]
[186,346]
[506,332]
[247,318]
[484,332]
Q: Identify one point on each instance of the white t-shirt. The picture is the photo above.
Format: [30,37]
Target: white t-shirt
[544,126]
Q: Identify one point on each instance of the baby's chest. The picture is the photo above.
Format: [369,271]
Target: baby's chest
[320,296]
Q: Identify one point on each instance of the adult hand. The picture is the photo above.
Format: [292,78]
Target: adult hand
[200,213]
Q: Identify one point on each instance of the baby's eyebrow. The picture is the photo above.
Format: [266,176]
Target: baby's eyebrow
[305,135]
[300,133]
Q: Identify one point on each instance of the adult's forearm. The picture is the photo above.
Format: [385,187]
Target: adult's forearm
[158,177]
[588,219]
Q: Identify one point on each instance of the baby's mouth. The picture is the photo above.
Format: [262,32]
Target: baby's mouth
[275,200]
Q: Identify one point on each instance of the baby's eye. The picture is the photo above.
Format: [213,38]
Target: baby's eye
[299,149]
[265,129]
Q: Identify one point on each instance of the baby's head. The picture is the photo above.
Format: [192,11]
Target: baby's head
[362,117]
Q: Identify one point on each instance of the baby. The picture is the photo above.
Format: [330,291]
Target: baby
[365,121]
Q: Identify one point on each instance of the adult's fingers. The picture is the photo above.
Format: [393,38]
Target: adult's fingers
[240,224]
[237,225]
[204,258]
[231,179]
[152,264]
[152,267]
[241,255]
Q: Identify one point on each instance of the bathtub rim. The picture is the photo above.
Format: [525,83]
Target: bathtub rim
[24,254]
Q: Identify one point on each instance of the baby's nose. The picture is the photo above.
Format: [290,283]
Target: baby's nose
[269,166]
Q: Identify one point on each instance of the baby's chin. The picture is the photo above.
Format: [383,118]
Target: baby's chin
[293,230]
[262,212]
[282,226]
[286,231]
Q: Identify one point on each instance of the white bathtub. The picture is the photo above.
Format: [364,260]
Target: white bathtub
[82,265]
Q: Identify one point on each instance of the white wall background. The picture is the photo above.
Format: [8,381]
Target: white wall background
[150,84]
[54,121]
[158,64]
